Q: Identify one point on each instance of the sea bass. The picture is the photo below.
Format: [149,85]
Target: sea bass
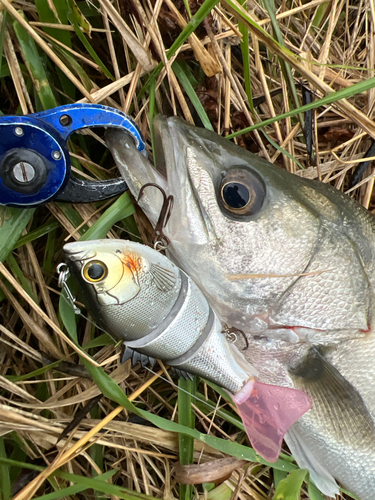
[138,295]
[290,263]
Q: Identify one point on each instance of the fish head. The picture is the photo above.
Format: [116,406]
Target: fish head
[245,230]
[218,188]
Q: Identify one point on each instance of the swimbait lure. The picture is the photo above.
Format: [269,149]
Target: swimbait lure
[138,295]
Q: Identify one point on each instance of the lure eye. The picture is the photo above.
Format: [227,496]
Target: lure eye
[95,271]
[241,193]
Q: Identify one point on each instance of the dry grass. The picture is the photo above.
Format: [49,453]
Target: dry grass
[327,46]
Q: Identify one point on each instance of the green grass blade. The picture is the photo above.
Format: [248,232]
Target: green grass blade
[185,82]
[63,493]
[120,209]
[74,18]
[285,67]
[4,72]
[2,34]
[33,374]
[283,151]
[14,221]
[75,66]
[79,17]
[18,274]
[50,252]
[206,405]
[152,109]
[290,487]
[186,417]
[89,49]
[21,465]
[279,475]
[68,316]
[46,228]
[47,16]
[5,484]
[321,14]
[96,450]
[73,216]
[31,55]
[72,490]
[314,493]
[244,44]
[99,341]
[98,484]
[192,25]
[345,93]
[221,492]
[189,74]
[187,7]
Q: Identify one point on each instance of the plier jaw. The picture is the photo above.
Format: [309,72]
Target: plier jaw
[35,165]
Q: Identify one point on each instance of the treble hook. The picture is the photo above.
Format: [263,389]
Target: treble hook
[161,241]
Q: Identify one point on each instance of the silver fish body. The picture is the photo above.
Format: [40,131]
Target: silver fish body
[291,263]
[141,297]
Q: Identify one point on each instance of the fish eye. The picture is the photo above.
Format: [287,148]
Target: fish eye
[95,271]
[241,193]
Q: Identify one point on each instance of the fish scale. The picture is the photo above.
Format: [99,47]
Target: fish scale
[298,226]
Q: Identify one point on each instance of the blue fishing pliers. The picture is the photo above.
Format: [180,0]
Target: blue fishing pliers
[34,159]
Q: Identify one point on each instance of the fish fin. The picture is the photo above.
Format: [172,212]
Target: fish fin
[267,411]
[163,278]
[141,358]
[128,354]
[182,373]
[151,361]
[306,460]
[339,399]
[137,357]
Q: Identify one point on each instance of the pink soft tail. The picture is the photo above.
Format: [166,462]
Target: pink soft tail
[267,412]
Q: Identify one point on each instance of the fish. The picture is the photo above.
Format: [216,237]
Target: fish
[290,263]
[139,296]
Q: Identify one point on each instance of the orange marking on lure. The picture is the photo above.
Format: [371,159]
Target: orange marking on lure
[133,262]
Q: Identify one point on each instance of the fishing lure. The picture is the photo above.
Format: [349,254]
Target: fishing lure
[141,297]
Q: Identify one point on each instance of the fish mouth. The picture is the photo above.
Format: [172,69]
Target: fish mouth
[175,144]
[137,171]
[162,145]
[174,140]
[167,139]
